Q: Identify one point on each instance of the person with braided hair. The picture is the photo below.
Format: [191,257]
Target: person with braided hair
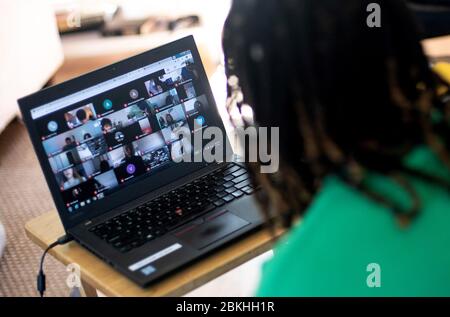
[364,177]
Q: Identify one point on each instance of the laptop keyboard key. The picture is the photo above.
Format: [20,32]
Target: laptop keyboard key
[228,198]
[219,188]
[221,194]
[228,177]
[228,184]
[237,193]
[248,190]
[232,169]
[230,190]
[219,202]
[239,173]
[240,178]
[242,184]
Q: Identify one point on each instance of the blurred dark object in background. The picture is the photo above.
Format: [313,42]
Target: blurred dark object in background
[121,25]
[72,18]
[110,20]
[433,15]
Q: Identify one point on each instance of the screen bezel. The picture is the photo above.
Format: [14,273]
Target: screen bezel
[144,186]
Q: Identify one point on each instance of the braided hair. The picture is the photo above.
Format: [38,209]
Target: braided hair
[348,98]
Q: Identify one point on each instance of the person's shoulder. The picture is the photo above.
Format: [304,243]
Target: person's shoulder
[342,233]
[326,253]
[424,159]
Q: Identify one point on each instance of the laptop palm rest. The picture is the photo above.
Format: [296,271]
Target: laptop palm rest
[211,229]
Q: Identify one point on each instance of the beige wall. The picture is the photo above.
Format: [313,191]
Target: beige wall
[30,51]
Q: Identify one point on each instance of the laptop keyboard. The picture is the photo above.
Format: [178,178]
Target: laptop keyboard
[142,224]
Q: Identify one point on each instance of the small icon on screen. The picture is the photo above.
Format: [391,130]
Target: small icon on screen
[131,169]
[52,126]
[134,94]
[107,104]
[200,120]
[119,136]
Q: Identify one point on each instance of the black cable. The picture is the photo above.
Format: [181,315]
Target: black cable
[41,276]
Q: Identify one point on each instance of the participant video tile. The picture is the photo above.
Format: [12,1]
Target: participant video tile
[180,149]
[173,123]
[106,181]
[187,91]
[153,87]
[157,158]
[175,131]
[164,100]
[153,150]
[64,160]
[171,116]
[72,138]
[122,118]
[131,164]
[178,76]
[91,148]
[80,116]
[71,177]
[195,105]
[77,174]
[125,126]
[149,143]
[79,193]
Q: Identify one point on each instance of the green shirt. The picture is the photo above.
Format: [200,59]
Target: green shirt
[343,231]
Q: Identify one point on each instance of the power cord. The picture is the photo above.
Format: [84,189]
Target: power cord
[41,276]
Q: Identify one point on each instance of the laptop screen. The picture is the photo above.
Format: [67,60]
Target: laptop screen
[103,138]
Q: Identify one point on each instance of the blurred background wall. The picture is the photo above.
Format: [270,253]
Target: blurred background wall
[30,51]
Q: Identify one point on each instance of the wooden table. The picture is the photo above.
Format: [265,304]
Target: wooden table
[97,275]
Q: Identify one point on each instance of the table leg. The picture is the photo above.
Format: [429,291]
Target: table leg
[89,291]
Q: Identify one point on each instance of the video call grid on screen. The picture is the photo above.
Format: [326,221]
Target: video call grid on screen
[97,145]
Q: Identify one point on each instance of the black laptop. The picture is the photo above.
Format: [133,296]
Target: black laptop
[107,144]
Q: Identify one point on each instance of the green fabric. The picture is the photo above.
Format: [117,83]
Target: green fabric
[343,231]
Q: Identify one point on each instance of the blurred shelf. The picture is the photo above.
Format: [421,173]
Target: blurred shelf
[88,51]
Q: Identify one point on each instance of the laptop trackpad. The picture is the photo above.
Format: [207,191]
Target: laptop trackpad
[214,228]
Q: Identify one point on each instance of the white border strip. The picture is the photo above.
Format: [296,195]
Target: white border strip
[152,258]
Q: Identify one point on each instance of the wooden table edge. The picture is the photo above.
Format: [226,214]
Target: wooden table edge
[251,250]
